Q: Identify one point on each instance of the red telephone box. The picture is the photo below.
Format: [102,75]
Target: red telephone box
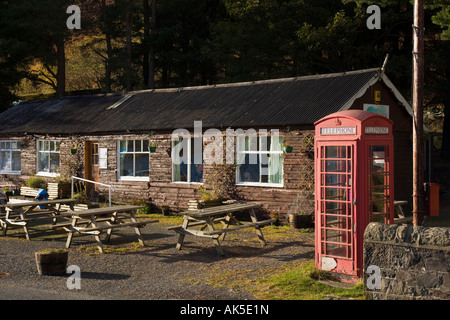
[354,185]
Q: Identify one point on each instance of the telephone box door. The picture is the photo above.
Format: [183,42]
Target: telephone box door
[380,167]
[335,206]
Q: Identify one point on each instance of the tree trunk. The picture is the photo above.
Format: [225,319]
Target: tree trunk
[61,72]
[128,71]
[146,43]
[108,48]
[418,142]
[151,66]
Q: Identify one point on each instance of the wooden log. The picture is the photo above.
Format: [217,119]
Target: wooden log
[243,226]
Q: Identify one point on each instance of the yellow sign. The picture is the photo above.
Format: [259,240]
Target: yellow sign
[377,97]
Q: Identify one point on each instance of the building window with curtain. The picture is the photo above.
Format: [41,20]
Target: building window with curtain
[10,157]
[187,160]
[48,157]
[134,160]
[259,160]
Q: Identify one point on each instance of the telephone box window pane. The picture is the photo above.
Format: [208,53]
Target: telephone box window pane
[336,166]
[378,179]
[337,222]
[378,165]
[335,152]
[378,207]
[335,208]
[336,250]
[336,194]
[378,151]
[338,180]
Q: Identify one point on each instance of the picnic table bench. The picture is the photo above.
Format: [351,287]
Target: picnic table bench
[22,213]
[224,214]
[88,222]
[398,207]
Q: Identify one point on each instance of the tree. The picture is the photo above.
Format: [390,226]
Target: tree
[39,29]
[442,18]
[180,42]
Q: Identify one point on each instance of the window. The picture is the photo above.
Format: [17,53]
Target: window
[187,161]
[48,157]
[260,160]
[10,157]
[134,160]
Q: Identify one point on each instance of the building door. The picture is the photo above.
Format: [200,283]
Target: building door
[336,206]
[92,171]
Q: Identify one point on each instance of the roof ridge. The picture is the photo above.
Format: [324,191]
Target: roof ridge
[256,82]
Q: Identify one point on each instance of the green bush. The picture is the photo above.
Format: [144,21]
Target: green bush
[37,182]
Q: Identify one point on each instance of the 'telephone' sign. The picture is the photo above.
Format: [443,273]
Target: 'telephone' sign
[338,130]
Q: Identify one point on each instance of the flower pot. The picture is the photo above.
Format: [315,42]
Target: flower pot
[288,149]
[73,151]
[304,221]
[211,203]
[52,262]
[152,149]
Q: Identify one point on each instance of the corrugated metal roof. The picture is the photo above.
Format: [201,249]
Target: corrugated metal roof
[270,103]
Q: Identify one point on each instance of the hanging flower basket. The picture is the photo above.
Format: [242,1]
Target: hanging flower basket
[73,151]
[288,149]
[152,149]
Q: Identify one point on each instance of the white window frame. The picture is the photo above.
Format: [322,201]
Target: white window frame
[119,152]
[189,164]
[11,150]
[44,173]
[259,153]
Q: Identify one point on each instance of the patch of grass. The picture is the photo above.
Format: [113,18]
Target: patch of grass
[109,249]
[52,251]
[301,283]
[292,281]
[272,232]
[172,219]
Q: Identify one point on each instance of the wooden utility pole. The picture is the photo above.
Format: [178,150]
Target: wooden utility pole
[418,81]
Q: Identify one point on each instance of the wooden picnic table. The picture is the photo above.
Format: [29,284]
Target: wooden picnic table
[92,221]
[226,215]
[398,207]
[21,213]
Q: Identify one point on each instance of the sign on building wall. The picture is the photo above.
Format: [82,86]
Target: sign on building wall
[377,108]
[103,158]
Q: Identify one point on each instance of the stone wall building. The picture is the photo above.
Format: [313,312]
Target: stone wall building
[112,134]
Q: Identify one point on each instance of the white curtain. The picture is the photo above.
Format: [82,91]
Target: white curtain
[275,160]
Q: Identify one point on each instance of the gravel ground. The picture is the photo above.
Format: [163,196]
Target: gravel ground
[155,272]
